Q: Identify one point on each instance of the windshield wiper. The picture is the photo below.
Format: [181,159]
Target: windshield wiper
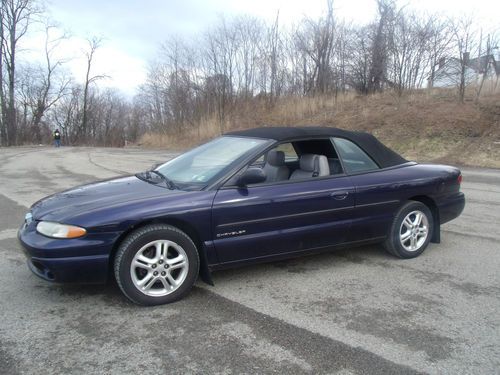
[171,185]
[147,176]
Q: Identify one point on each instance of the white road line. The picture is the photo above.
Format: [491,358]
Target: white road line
[8,233]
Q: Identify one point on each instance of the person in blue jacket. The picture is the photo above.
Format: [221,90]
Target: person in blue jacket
[57,138]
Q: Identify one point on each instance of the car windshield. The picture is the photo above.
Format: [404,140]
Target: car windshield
[209,161]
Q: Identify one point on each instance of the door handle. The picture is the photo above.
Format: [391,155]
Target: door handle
[339,195]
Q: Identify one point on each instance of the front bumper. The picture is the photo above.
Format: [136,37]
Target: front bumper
[80,260]
[93,269]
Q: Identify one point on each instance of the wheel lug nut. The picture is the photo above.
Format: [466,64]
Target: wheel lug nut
[155,273]
[166,266]
[161,261]
[163,273]
[154,266]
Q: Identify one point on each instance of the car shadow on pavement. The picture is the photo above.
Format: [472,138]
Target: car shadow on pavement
[333,258]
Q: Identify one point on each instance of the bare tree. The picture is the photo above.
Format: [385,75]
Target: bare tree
[93,45]
[50,86]
[379,48]
[465,43]
[250,32]
[17,16]
[67,114]
[409,51]
[218,63]
[273,53]
[486,63]
[359,60]
[440,44]
[3,101]
[316,40]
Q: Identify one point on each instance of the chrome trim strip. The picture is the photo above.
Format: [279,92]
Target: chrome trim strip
[378,203]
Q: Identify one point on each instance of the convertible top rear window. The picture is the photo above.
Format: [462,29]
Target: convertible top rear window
[354,158]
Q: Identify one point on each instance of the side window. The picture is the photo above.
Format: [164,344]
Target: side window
[287,148]
[354,158]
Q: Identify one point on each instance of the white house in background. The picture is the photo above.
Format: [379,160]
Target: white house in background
[449,71]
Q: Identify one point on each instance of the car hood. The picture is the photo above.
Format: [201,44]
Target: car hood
[96,196]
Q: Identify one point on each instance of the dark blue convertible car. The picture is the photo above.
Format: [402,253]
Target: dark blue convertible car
[248,196]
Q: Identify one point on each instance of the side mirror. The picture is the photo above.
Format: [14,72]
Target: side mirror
[252,175]
[155,165]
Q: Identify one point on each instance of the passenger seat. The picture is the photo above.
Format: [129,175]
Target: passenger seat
[275,167]
[311,165]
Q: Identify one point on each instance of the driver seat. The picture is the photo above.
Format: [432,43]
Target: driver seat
[275,167]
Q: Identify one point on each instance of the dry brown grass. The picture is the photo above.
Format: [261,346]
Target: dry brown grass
[428,125]
[206,129]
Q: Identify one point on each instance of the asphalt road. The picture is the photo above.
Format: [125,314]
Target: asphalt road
[350,311]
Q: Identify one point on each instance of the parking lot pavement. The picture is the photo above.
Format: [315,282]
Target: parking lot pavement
[346,311]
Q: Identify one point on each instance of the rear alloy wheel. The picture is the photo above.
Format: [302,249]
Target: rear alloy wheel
[411,231]
[156,264]
[414,231]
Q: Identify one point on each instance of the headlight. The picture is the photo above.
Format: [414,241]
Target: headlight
[56,230]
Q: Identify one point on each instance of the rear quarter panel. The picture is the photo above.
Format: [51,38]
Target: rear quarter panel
[380,194]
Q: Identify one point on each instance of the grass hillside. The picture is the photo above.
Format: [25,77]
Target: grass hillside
[422,126]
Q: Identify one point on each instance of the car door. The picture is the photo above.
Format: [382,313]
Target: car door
[273,219]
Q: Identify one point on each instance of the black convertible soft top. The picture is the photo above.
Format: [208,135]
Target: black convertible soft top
[381,154]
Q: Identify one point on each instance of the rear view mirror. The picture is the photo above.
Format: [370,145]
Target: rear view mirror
[252,175]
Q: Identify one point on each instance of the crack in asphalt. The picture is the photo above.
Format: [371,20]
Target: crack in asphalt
[91,161]
[478,236]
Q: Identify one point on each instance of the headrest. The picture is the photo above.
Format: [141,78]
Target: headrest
[309,162]
[275,158]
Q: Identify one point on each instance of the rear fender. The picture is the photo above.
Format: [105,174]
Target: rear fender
[431,204]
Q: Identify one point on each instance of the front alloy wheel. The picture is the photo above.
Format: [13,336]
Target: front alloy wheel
[156,264]
[159,268]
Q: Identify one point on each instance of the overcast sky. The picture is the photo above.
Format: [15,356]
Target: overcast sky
[132,30]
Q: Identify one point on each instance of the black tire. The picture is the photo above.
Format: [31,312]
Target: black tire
[134,242]
[393,242]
